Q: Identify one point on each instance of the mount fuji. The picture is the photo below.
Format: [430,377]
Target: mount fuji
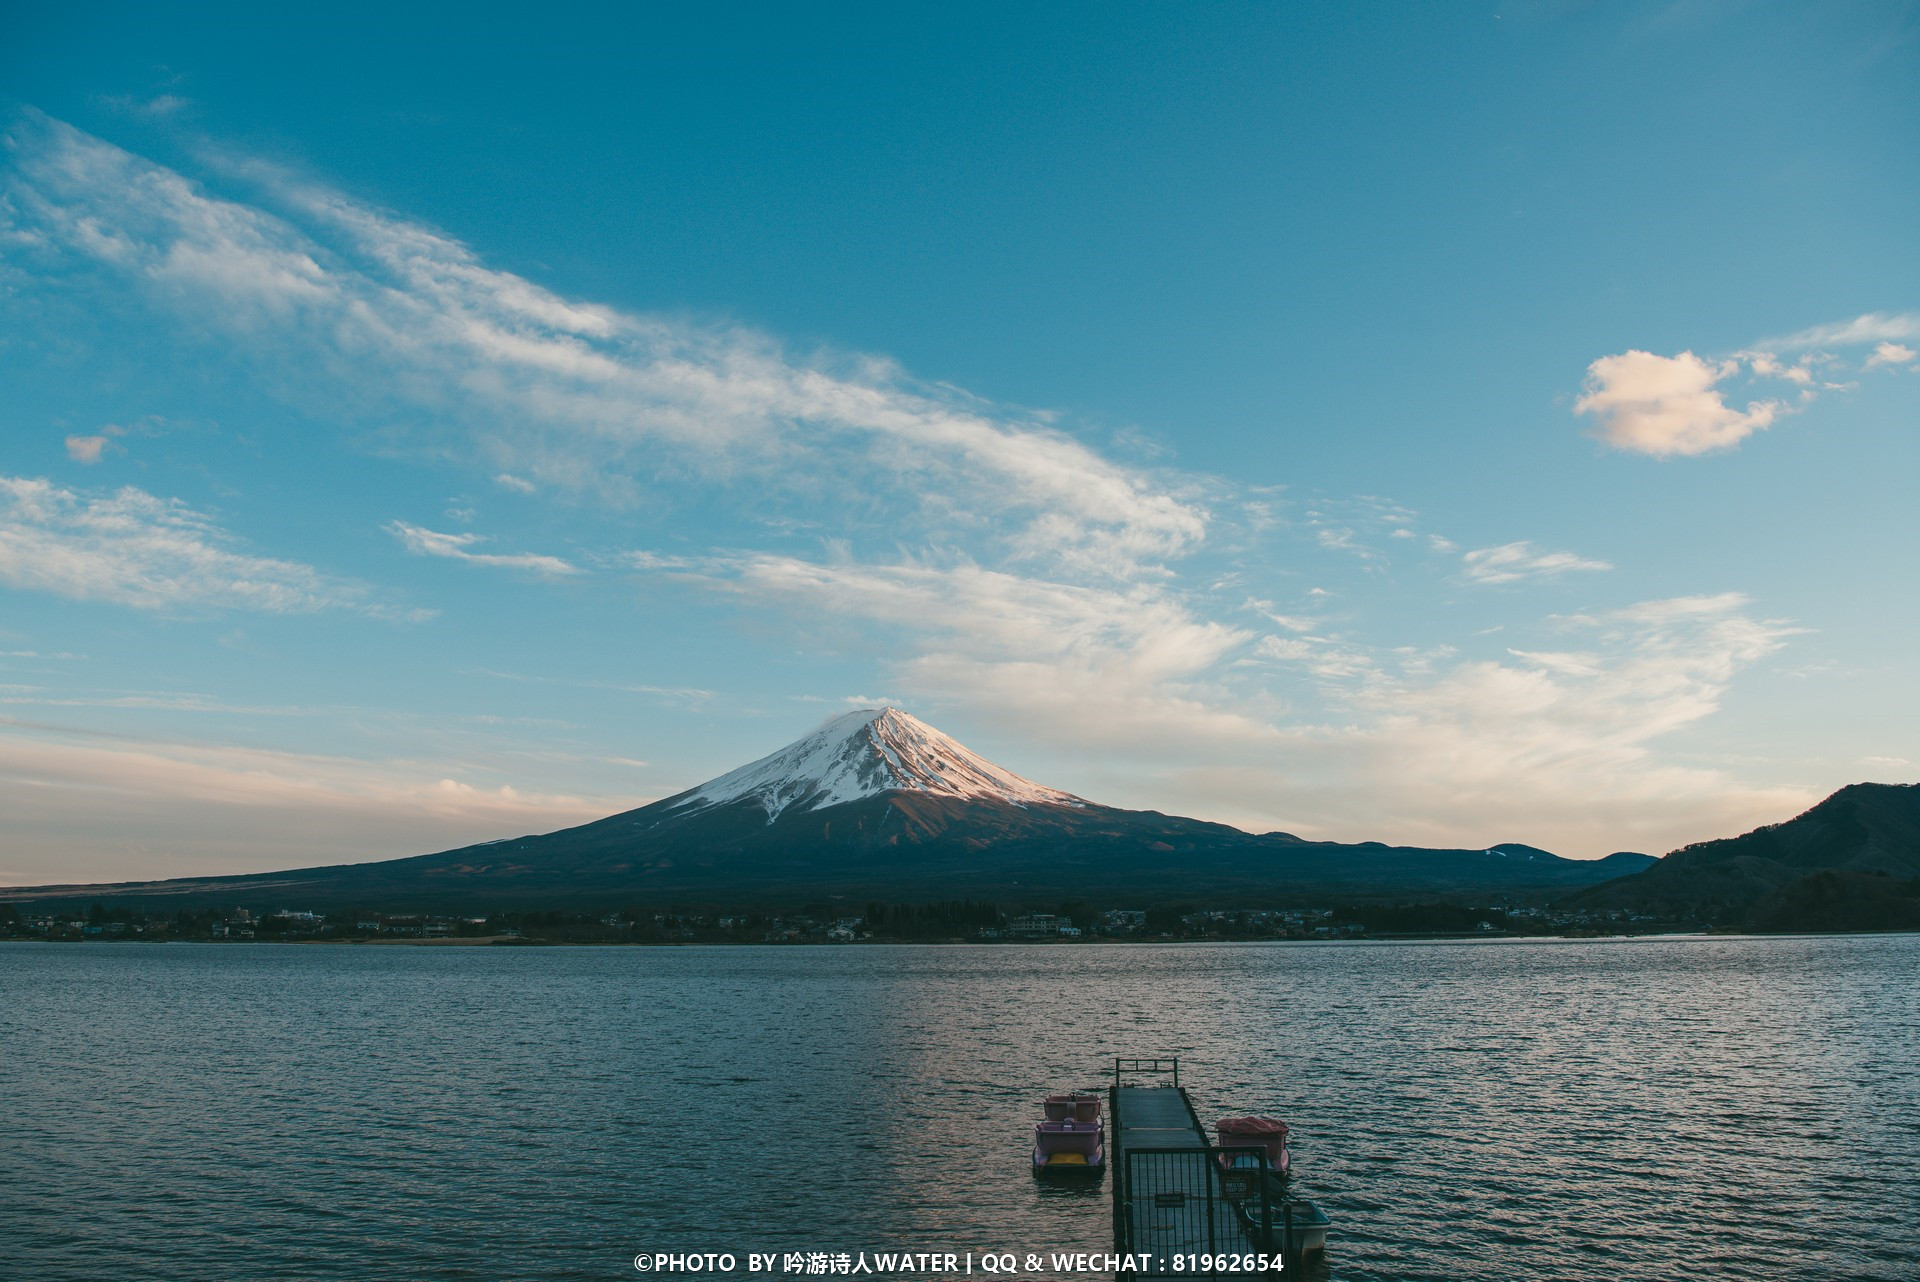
[877,803]
[868,754]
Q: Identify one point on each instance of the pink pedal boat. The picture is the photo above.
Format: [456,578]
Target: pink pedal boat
[1268,1134]
[1071,1141]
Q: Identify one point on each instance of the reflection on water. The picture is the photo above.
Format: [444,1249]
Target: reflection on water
[1728,1108]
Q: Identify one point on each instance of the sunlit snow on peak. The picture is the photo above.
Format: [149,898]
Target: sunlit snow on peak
[864,754]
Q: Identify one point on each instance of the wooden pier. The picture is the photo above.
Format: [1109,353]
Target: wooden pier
[1172,1194]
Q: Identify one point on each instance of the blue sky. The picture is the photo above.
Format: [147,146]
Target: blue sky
[1448,423]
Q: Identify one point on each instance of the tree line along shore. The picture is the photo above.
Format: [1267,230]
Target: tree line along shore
[832,923]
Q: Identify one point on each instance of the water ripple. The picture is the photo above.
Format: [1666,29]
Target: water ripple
[1650,1109]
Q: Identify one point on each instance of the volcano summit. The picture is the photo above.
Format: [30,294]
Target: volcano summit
[877,803]
[867,754]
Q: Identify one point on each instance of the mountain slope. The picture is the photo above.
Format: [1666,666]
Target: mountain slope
[879,804]
[1858,844]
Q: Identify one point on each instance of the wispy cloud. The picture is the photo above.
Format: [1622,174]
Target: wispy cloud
[91,448]
[1512,562]
[192,807]
[578,395]
[455,546]
[1121,667]
[146,700]
[1400,743]
[158,106]
[1558,743]
[687,695]
[1861,331]
[134,549]
[1351,525]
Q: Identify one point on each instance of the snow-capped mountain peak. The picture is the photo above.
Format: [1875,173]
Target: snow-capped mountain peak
[864,754]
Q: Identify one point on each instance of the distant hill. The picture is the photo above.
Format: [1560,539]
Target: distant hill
[1851,862]
[877,804]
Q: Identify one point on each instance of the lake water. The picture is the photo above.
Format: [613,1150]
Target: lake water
[1657,1109]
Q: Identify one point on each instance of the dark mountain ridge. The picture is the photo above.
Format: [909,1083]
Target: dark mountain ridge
[879,805]
[1853,857]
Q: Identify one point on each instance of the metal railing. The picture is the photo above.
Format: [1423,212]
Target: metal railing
[1141,1067]
[1198,1199]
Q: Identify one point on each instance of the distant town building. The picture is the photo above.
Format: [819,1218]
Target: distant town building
[1041,926]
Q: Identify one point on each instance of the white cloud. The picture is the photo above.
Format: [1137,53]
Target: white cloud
[1667,405]
[433,543]
[91,449]
[1648,670]
[577,395]
[991,616]
[518,484]
[1511,562]
[1767,365]
[86,449]
[134,549]
[1891,354]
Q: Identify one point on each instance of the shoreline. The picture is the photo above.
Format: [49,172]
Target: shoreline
[521,942]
